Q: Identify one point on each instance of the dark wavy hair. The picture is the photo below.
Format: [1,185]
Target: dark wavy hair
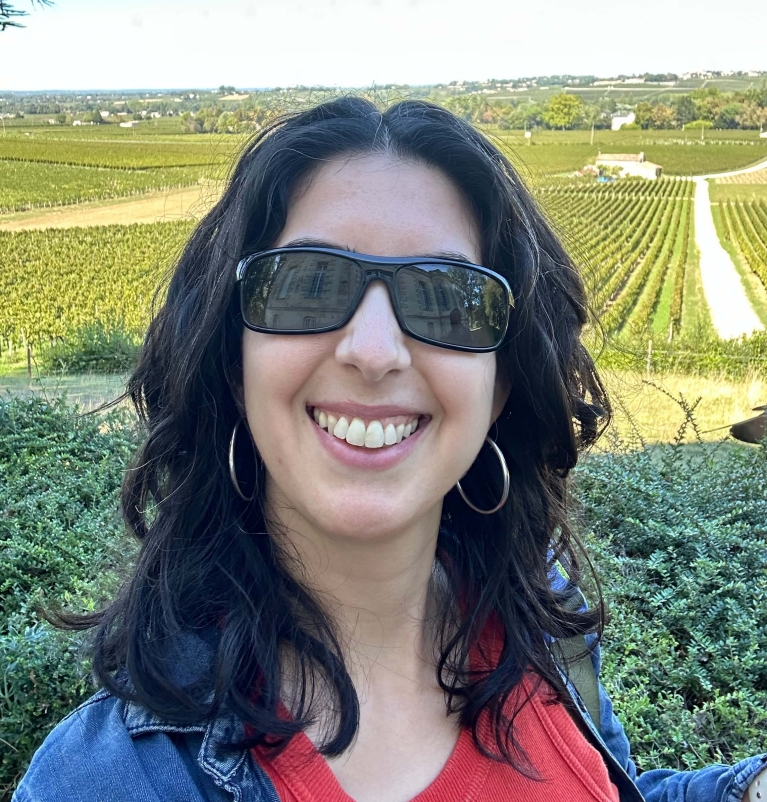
[206,561]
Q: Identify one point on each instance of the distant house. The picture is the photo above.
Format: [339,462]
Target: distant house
[619,119]
[630,164]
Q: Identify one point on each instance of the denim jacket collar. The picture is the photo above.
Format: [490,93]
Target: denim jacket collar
[227,767]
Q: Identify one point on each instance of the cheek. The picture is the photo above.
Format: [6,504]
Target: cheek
[465,387]
[274,369]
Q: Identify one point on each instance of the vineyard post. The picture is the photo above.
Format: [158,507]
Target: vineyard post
[29,360]
[649,356]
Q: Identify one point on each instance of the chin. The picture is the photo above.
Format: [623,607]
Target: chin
[367,522]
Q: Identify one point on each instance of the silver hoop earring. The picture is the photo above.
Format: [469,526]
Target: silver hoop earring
[506,483]
[232,470]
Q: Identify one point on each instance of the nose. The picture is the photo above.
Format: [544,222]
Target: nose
[372,340]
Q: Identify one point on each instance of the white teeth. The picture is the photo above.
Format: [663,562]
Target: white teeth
[341,428]
[356,434]
[374,436]
[390,435]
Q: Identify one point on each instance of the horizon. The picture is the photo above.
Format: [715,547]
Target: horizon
[149,46]
[319,87]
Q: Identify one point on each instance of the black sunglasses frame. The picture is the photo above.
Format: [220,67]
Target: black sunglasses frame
[373,268]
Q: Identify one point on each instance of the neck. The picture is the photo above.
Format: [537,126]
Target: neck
[378,592]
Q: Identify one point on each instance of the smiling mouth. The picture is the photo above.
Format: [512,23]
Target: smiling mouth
[381,433]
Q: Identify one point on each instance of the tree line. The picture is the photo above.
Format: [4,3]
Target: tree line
[701,108]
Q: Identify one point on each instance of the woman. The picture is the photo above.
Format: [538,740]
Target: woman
[363,394]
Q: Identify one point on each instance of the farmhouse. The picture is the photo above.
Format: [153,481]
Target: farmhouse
[630,164]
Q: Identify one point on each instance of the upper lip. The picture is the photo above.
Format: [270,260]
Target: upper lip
[351,409]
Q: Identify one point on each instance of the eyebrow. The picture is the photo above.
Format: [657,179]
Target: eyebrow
[308,242]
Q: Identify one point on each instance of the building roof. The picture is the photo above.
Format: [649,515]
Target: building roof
[621,157]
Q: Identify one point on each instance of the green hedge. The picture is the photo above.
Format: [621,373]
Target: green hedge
[95,348]
[677,534]
[61,540]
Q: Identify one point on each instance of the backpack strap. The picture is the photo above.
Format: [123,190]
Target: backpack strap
[574,656]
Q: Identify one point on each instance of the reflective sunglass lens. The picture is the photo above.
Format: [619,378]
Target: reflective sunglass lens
[299,291]
[453,305]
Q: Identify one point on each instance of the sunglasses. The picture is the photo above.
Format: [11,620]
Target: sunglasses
[443,302]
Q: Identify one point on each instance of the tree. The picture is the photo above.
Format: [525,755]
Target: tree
[685,110]
[752,116]
[643,112]
[9,14]
[728,116]
[226,123]
[663,116]
[563,110]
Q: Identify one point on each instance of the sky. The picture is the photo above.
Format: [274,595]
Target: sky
[119,44]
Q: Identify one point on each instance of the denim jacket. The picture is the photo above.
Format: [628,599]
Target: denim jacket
[108,750]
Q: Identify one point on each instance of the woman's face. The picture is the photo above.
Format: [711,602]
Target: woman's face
[369,370]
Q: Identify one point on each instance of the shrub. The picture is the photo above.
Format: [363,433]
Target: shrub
[678,534]
[61,541]
[94,348]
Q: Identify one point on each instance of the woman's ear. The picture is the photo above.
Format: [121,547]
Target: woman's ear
[502,389]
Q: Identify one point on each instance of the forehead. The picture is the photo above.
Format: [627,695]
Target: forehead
[383,205]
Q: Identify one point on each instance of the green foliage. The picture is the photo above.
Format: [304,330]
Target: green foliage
[563,110]
[92,349]
[61,542]
[692,354]
[678,536]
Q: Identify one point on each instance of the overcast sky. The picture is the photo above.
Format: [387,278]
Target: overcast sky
[111,44]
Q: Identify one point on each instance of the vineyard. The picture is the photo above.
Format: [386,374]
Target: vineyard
[55,282]
[119,154]
[631,237]
[26,185]
[757,177]
[745,226]
[632,240]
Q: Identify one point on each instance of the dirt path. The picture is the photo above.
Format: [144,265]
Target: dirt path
[731,311]
[175,204]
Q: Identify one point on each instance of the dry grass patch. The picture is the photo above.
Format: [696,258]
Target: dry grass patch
[649,406]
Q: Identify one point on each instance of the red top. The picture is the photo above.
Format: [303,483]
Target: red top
[571,768]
